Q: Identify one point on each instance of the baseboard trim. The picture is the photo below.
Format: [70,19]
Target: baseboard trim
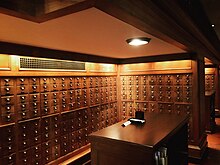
[197,153]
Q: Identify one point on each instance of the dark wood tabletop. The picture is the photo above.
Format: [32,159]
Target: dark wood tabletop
[156,129]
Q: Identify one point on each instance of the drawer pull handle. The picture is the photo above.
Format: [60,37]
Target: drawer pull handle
[7,89]
[7,80]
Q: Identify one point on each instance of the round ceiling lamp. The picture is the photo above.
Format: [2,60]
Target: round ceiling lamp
[138,41]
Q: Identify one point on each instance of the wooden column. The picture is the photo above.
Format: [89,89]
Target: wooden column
[217,88]
[198,143]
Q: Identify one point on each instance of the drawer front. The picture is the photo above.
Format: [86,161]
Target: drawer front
[44,88]
[25,155]
[34,81]
[64,146]
[7,118]
[152,80]
[7,81]
[178,80]
[22,107]
[22,98]
[8,90]
[45,96]
[22,89]
[44,80]
[84,82]
[34,97]
[55,80]
[7,100]
[34,109]
[63,86]
[10,160]
[55,87]
[187,79]
[34,89]
[22,81]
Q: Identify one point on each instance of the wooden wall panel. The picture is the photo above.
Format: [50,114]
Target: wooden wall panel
[109,68]
[157,66]
[60,107]
[5,63]
[12,62]
[105,93]
[167,87]
[157,93]
[61,112]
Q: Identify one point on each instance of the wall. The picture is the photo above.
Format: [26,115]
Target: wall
[63,107]
[167,87]
[47,115]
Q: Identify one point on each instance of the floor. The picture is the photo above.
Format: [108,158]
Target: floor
[213,157]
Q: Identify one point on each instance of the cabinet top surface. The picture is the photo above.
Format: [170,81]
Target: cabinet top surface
[157,129]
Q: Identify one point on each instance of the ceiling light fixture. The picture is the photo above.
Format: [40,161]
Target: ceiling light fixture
[138,41]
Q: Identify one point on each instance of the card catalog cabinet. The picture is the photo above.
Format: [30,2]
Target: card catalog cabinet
[157,93]
[209,82]
[45,118]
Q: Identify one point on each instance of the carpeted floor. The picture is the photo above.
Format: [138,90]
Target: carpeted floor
[213,157]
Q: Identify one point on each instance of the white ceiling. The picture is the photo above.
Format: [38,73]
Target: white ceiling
[89,31]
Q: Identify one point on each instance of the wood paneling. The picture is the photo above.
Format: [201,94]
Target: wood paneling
[41,11]
[12,64]
[168,90]
[108,68]
[61,108]
[157,66]
[158,58]
[61,112]
[161,88]
[5,62]
[26,50]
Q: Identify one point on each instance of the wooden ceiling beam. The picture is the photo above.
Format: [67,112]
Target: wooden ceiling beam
[190,16]
[158,58]
[35,12]
[143,15]
[153,17]
[67,10]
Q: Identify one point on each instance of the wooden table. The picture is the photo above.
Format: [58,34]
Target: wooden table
[136,144]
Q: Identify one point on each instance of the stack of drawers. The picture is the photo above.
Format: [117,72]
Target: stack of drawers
[7,100]
[209,82]
[45,118]
[29,140]
[8,144]
[103,102]
[103,116]
[161,93]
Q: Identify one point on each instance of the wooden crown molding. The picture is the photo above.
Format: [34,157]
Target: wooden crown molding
[33,51]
